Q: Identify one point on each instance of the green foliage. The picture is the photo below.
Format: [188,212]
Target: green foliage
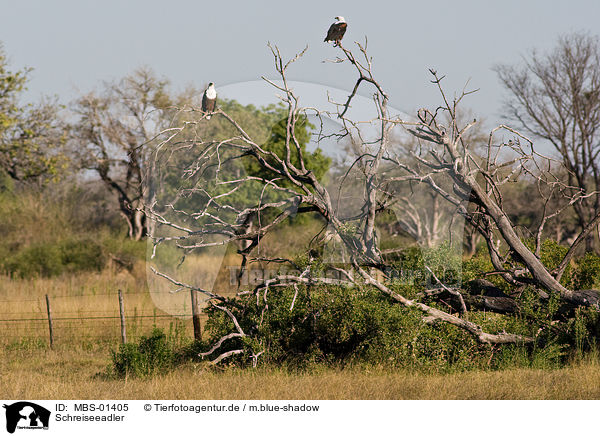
[336,326]
[535,308]
[11,84]
[55,258]
[256,121]
[583,273]
[316,162]
[513,356]
[475,266]
[127,250]
[410,266]
[587,272]
[267,127]
[44,238]
[7,184]
[339,326]
[31,136]
[153,354]
[552,253]
[583,330]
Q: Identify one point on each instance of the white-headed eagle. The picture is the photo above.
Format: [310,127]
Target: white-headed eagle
[336,31]
[209,100]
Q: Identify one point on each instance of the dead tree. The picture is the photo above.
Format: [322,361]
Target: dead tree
[292,188]
[444,151]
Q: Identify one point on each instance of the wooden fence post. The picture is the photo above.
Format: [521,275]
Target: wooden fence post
[196,316]
[50,321]
[122,312]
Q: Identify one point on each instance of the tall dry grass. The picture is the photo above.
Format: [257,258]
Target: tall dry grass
[69,373]
[85,307]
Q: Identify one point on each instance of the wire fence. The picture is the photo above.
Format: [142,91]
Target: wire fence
[107,317]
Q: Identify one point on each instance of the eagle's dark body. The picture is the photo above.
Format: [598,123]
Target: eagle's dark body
[336,31]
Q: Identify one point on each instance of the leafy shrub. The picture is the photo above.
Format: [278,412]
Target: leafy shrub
[410,265]
[338,326]
[42,236]
[475,267]
[55,258]
[123,248]
[153,354]
[587,273]
[551,254]
[81,255]
[38,259]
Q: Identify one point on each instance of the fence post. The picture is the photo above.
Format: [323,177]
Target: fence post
[50,321]
[196,315]
[122,312]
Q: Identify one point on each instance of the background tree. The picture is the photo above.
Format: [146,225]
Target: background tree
[31,135]
[114,135]
[556,96]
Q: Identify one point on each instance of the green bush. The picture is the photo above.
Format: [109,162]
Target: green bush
[126,249]
[38,259]
[335,326]
[475,267]
[54,258]
[587,273]
[409,266]
[44,236]
[153,354]
[551,254]
[81,255]
[339,326]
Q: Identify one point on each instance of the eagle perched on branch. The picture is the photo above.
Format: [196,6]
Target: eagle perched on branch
[336,31]
[209,100]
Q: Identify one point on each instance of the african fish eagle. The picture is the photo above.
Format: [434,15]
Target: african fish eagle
[209,100]
[336,31]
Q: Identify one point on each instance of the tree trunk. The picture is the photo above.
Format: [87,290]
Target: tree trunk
[534,265]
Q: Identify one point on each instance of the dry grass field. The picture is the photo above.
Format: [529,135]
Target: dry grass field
[85,306]
[72,373]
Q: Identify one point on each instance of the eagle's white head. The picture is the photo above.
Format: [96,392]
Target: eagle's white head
[211,91]
[339,20]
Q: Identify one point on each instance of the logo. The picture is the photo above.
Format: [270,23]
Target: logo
[26,415]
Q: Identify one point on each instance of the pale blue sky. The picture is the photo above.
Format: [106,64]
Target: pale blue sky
[74,45]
